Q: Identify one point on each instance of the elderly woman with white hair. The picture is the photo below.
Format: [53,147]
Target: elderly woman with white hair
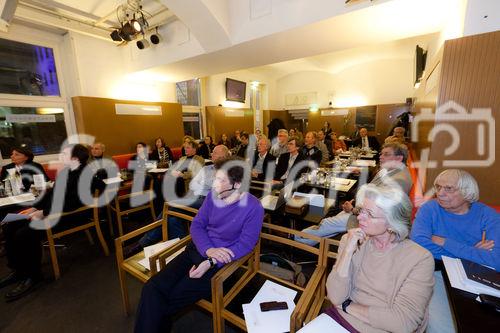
[381,281]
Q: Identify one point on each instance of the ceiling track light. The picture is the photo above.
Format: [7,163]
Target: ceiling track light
[132,28]
[155,38]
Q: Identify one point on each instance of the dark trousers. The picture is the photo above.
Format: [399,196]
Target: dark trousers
[23,249]
[168,292]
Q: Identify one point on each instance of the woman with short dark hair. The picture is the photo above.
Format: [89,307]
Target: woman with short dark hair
[23,164]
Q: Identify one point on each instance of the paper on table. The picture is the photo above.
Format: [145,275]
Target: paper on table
[267,322]
[368,163]
[25,197]
[112,180]
[459,280]
[271,291]
[13,217]
[342,181]
[322,323]
[39,181]
[158,170]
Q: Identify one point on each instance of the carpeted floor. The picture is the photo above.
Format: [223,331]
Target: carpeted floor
[85,299]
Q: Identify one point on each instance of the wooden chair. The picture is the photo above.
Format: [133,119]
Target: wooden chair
[260,188]
[52,236]
[120,205]
[132,267]
[271,233]
[318,299]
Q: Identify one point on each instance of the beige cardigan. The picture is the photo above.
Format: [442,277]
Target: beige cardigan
[396,286]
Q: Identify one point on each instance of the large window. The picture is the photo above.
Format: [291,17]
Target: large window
[42,130]
[27,69]
[192,124]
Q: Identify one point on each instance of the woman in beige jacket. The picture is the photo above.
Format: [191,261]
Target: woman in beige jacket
[382,281]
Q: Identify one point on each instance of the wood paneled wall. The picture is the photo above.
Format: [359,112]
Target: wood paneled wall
[470,77]
[287,119]
[97,117]
[218,123]
[386,117]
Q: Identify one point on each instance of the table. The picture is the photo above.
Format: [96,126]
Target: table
[470,315]
[16,199]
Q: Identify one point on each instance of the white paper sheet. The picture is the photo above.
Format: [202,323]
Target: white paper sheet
[156,248]
[323,323]
[458,278]
[365,163]
[112,180]
[158,170]
[13,217]
[25,197]
[39,181]
[277,321]
[145,262]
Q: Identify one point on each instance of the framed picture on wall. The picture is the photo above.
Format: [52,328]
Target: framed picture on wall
[366,116]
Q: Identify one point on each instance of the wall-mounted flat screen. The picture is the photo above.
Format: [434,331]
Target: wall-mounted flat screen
[235,90]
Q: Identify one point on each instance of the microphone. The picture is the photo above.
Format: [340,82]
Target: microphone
[229,190]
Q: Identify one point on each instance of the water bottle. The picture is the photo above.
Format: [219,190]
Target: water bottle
[8,188]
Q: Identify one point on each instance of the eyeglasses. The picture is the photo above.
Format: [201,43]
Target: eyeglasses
[369,214]
[447,189]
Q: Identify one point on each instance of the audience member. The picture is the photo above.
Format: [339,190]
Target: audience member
[326,128]
[162,154]
[139,160]
[23,165]
[261,159]
[97,150]
[455,224]
[337,146]
[398,135]
[287,161]
[226,228]
[236,139]
[187,166]
[393,174]
[292,132]
[243,147]
[384,284]
[280,146]
[365,141]
[23,243]
[186,139]
[225,141]
[323,146]
[310,151]
[206,147]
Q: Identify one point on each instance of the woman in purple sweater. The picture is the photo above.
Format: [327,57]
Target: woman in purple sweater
[226,228]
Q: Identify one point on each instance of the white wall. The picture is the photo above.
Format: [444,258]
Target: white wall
[376,82]
[102,71]
[475,20]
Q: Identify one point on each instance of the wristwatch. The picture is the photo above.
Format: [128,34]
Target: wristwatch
[346,303]
[211,261]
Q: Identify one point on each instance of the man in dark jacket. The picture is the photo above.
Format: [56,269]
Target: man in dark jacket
[262,159]
[287,162]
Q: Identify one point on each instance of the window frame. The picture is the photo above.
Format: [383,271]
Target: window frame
[16,100]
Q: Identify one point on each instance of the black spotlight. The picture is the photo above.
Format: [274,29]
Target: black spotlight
[155,38]
[115,35]
[142,44]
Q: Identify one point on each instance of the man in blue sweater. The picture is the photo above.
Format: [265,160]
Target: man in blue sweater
[453,225]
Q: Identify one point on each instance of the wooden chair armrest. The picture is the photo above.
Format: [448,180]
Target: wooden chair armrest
[308,297]
[63,214]
[227,270]
[163,255]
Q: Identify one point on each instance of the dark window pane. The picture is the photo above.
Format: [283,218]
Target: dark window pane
[191,124]
[24,69]
[42,130]
[188,92]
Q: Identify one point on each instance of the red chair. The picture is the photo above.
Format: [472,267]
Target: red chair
[122,160]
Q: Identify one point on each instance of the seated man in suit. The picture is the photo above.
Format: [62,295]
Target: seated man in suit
[242,149]
[23,165]
[455,224]
[289,162]
[310,151]
[324,145]
[366,142]
[393,173]
[23,241]
[261,159]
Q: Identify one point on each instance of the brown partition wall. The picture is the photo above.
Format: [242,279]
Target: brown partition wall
[469,77]
[97,117]
[219,122]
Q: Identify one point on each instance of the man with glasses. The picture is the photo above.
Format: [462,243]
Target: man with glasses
[393,173]
[280,147]
[455,224]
